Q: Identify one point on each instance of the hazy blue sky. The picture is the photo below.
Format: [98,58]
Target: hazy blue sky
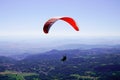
[25,18]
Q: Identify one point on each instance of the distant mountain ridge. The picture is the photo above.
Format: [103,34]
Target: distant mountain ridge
[86,46]
[7,48]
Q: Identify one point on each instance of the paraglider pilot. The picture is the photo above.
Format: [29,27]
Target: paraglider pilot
[64,58]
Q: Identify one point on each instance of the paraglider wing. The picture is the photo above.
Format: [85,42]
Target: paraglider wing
[48,24]
[51,21]
[71,22]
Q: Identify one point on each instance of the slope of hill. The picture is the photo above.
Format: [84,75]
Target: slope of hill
[89,64]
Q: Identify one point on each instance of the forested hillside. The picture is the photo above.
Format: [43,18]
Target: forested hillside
[89,64]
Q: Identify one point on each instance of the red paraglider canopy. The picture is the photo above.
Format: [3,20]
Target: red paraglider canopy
[51,21]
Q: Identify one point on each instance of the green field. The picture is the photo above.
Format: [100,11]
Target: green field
[10,75]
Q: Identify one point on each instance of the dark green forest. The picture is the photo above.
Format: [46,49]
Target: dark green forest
[86,64]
